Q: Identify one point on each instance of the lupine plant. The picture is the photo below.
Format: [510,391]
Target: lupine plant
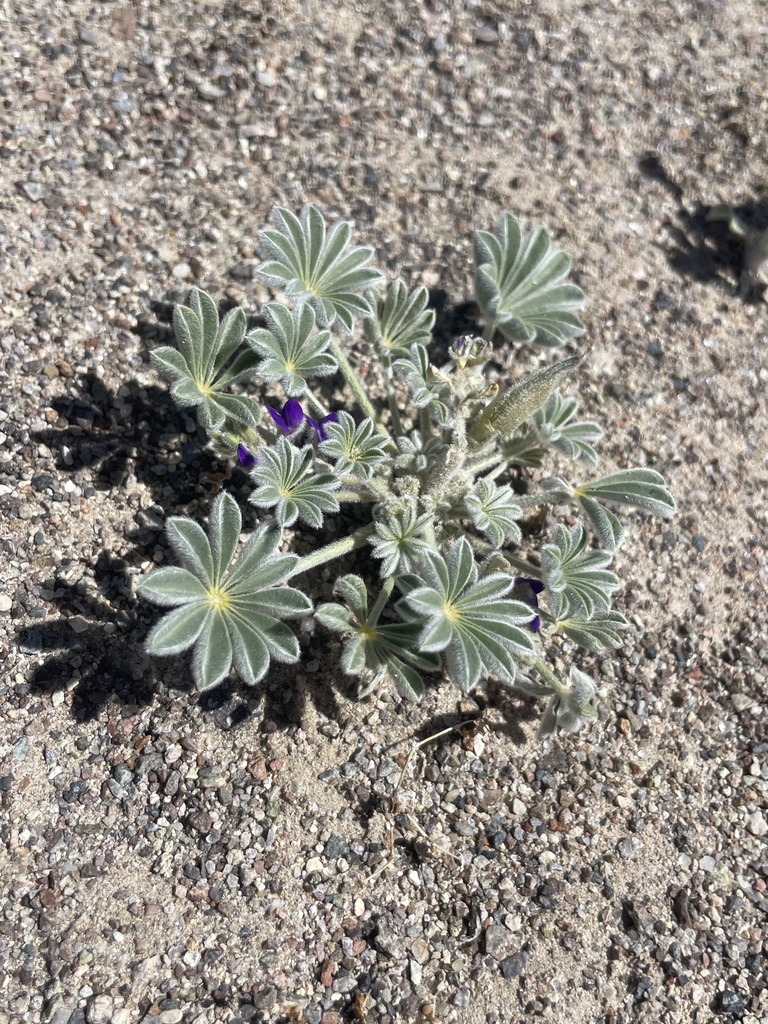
[447,465]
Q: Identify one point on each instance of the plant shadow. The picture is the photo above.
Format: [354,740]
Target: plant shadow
[116,442]
[702,249]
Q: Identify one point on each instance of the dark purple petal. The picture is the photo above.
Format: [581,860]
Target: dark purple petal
[293,414]
[332,417]
[247,460]
[279,421]
[529,589]
[291,417]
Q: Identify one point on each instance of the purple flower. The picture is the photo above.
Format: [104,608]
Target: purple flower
[332,417]
[290,419]
[529,589]
[247,459]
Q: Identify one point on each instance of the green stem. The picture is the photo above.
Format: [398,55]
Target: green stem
[523,567]
[354,382]
[394,412]
[535,500]
[315,403]
[476,467]
[425,424]
[336,549]
[489,330]
[551,678]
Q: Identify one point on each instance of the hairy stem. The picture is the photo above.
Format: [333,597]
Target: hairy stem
[489,330]
[394,412]
[546,672]
[315,404]
[493,461]
[425,424]
[336,549]
[355,383]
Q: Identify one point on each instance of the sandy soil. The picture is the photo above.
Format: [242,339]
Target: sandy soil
[166,857]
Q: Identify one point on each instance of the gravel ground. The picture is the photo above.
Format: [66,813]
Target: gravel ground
[239,857]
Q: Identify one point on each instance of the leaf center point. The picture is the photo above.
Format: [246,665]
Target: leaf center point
[218,599]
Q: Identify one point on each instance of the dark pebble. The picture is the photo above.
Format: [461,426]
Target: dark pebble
[241,272]
[731,1002]
[6,781]
[122,775]
[201,821]
[336,847]
[266,998]
[513,966]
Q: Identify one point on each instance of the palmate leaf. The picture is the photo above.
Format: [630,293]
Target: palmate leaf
[400,539]
[603,630]
[225,613]
[641,488]
[466,618]
[198,368]
[428,391]
[606,525]
[416,452]
[520,285]
[289,352]
[494,512]
[391,648]
[400,319]
[287,484]
[354,449]
[555,426]
[577,580]
[315,266]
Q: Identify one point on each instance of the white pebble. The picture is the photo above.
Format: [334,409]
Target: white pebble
[756,823]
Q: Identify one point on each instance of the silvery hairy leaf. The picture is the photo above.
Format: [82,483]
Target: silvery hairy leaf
[603,630]
[494,511]
[570,710]
[428,391]
[520,285]
[354,449]
[416,453]
[555,426]
[199,367]
[286,483]
[640,488]
[372,646]
[468,619]
[225,614]
[316,266]
[400,319]
[524,448]
[290,351]
[401,538]
[577,580]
